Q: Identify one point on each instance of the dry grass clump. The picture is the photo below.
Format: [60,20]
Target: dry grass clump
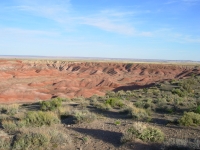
[144,132]
[10,109]
[39,118]
[64,110]
[31,118]
[138,113]
[40,138]
[100,105]
[103,106]
[31,141]
[59,138]
[83,104]
[9,125]
[4,117]
[5,143]
[82,116]
[181,144]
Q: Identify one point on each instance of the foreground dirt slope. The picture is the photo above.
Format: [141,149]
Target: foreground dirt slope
[30,80]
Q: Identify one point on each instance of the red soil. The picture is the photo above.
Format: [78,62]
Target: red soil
[40,80]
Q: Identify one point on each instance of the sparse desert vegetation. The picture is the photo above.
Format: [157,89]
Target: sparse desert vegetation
[164,115]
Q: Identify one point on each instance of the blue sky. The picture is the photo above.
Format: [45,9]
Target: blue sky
[148,29]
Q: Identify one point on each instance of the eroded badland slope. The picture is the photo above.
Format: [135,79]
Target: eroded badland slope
[31,80]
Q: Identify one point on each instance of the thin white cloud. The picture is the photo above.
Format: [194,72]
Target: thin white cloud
[109,25]
[110,20]
[115,21]
[56,10]
[61,11]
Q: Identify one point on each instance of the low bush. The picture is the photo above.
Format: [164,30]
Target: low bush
[152,134]
[40,138]
[147,103]
[9,126]
[179,92]
[138,113]
[3,117]
[31,141]
[59,138]
[51,105]
[99,105]
[84,116]
[114,102]
[144,132]
[111,94]
[102,106]
[39,118]
[9,109]
[190,119]
[64,111]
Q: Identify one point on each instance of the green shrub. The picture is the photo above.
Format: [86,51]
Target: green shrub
[114,102]
[151,134]
[117,122]
[190,119]
[51,105]
[31,141]
[144,132]
[39,118]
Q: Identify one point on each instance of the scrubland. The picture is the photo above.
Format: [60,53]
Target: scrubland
[164,116]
